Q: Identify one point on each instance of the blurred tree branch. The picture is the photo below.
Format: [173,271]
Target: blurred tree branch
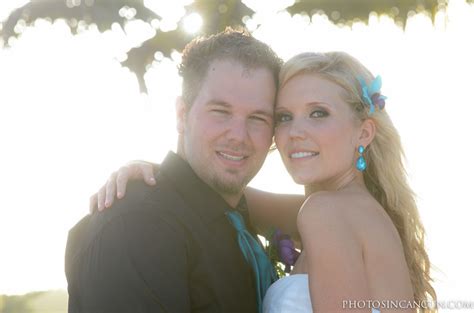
[216,15]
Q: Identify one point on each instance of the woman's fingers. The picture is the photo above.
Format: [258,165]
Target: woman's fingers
[101,198]
[135,170]
[110,190]
[93,203]
[123,176]
[148,175]
[116,185]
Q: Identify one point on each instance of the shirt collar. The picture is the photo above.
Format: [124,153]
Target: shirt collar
[200,196]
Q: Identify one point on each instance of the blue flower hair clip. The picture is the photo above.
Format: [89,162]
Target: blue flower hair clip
[371,94]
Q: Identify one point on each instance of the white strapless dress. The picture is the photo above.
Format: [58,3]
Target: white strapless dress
[289,294]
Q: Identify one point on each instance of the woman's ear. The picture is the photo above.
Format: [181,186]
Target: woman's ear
[180,114]
[367,132]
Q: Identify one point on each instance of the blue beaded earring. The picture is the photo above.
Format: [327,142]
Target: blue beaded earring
[361,164]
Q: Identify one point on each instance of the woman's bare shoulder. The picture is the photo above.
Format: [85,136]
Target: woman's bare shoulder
[348,236]
[344,205]
[332,251]
[325,214]
[349,211]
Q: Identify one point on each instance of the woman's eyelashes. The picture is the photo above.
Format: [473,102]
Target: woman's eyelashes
[281,117]
[319,113]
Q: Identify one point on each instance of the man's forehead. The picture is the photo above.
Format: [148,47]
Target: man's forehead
[244,69]
[234,74]
[229,81]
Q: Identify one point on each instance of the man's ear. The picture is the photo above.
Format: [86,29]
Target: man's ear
[367,132]
[180,115]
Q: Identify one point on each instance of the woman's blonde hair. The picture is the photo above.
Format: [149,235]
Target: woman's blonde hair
[385,176]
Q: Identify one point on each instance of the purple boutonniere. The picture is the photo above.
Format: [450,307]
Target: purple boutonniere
[285,249]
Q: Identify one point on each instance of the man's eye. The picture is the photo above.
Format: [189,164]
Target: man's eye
[258,118]
[319,113]
[280,118]
[220,111]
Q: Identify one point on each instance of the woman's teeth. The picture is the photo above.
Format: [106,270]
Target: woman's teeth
[299,155]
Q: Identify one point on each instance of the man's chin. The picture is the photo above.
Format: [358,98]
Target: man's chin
[228,186]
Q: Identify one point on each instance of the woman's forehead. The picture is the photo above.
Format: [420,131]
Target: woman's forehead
[310,88]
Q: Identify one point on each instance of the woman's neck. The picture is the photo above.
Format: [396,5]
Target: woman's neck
[340,182]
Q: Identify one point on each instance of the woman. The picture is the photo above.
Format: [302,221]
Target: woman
[359,226]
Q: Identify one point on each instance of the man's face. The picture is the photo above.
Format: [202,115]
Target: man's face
[228,129]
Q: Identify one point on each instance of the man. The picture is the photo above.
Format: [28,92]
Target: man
[173,247]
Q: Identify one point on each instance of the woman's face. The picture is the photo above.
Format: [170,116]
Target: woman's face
[316,131]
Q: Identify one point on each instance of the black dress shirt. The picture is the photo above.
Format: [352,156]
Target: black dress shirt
[163,248]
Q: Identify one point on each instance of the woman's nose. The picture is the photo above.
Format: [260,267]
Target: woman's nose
[296,129]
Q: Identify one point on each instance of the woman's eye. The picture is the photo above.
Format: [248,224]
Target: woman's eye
[280,118]
[319,113]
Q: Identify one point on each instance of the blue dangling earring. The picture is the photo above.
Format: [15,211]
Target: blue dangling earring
[361,164]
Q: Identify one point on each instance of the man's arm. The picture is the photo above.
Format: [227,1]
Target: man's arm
[137,262]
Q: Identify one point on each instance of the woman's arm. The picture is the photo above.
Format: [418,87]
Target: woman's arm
[273,210]
[266,209]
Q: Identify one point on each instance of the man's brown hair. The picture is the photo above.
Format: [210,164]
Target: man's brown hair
[231,44]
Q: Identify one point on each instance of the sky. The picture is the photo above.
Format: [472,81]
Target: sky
[70,114]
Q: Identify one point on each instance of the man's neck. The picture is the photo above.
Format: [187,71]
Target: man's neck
[232,200]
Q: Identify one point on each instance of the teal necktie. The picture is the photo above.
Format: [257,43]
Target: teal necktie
[254,254]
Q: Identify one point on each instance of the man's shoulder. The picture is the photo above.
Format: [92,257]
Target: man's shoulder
[143,203]
[142,199]
[143,207]
[133,246]
[76,237]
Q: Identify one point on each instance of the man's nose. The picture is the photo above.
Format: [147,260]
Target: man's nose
[237,130]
